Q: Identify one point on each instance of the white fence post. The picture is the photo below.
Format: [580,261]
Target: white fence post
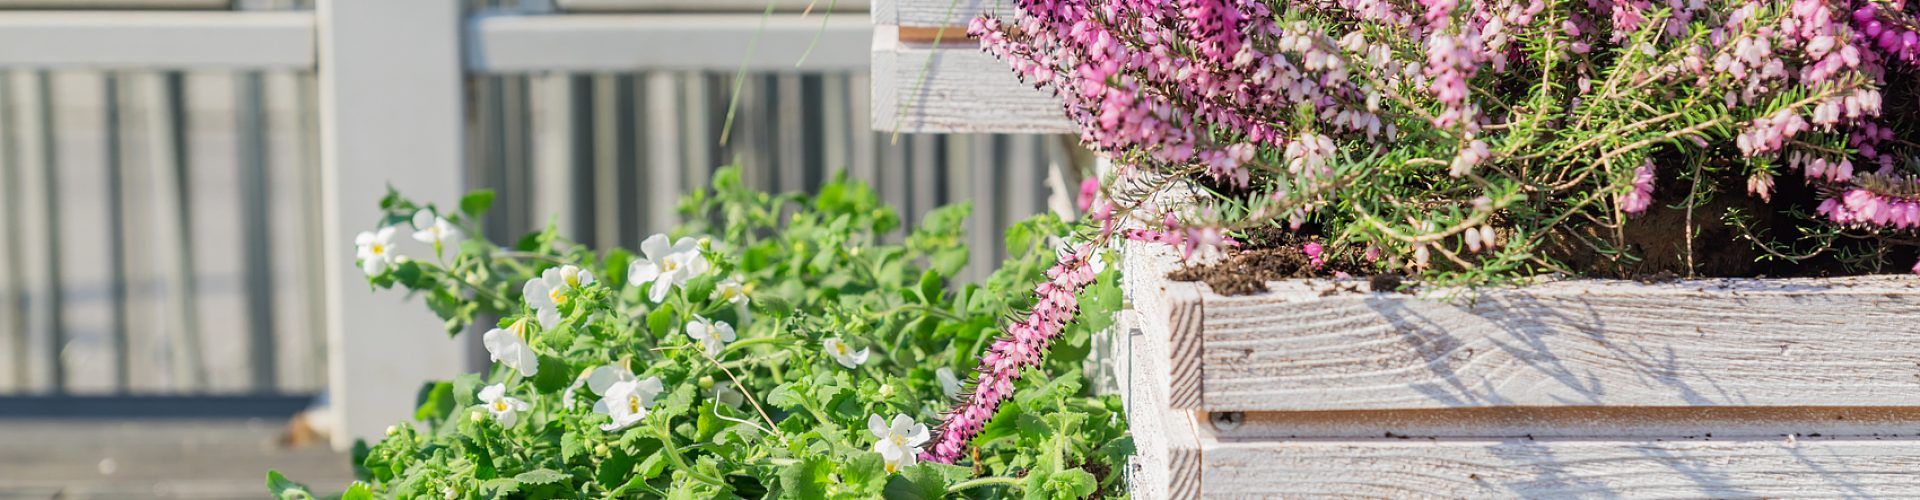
[391,112]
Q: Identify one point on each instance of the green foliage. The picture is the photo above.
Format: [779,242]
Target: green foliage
[771,414]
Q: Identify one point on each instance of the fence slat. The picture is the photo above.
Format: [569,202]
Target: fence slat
[13,283]
[391,112]
[251,126]
[173,221]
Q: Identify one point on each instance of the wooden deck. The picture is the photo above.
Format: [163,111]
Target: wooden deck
[113,459]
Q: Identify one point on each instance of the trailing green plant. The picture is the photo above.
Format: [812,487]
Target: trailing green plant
[775,346]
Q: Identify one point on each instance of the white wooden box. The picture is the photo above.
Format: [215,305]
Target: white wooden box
[1720,388]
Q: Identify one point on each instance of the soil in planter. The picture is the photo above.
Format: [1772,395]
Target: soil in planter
[1656,239]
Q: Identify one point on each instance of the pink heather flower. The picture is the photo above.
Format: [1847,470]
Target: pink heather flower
[1761,184]
[1314,251]
[1089,189]
[1024,346]
[1916,267]
[1641,197]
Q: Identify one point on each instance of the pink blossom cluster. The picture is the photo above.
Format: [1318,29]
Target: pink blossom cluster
[1641,196]
[1157,75]
[1862,206]
[1891,31]
[1025,345]
[1769,133]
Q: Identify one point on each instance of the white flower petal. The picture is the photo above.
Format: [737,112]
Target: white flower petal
[549,317]
[604,377]
[877,426]
[658,290]
[642,272]
[655,247]
[492,392]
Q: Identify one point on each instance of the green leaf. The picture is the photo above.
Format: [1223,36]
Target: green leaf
[554,375]
[285,489]
[465,389]
[925,481]
[865,467]
[435,402]
[541,476]
[950,260]
[614,471]
[679,400]
[660,320]
[477,202]
[499,488]
[573,445]
[617,262]
[481,456]
[930,287]
[357,491]
[1071,483]
[804,480]
[785,396]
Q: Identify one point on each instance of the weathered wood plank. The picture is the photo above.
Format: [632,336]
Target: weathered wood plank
[937,13]
[1791,342]
[1167,464]
[1764,468]
[963,90]
[1704,422]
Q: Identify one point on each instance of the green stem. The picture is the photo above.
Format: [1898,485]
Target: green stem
[673,453]
[986,481]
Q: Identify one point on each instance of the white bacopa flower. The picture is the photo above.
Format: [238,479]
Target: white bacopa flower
[549,291]
[949,384]
[732,291]
[712,335]
[435,230]
[597,380]
[845,355]
[509,347]
[665,266]
[375,250]
[899,444]
[505,409]
[626,402]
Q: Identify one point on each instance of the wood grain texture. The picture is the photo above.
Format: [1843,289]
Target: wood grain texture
[963,91]
[1702,422]
[934,13]
[1521,468]
[1790,342]
[1168,461]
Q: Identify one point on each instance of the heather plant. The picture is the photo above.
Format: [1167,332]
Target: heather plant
[1473,141]
[774,346]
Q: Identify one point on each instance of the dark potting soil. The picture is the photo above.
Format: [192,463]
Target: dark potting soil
[1655,240]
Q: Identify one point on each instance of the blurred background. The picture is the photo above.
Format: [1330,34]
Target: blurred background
[163,315]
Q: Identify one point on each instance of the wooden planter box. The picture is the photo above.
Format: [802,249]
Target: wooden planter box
[1713,388]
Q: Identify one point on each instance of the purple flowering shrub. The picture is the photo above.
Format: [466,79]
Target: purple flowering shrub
[1459,140]
[1407,129]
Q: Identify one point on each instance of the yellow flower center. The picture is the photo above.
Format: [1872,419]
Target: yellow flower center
[633,404]
[840,349]
[669,266]
[379,249]
[500,405]
[892,468]
[558,296]
[898,440]
[573,280]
